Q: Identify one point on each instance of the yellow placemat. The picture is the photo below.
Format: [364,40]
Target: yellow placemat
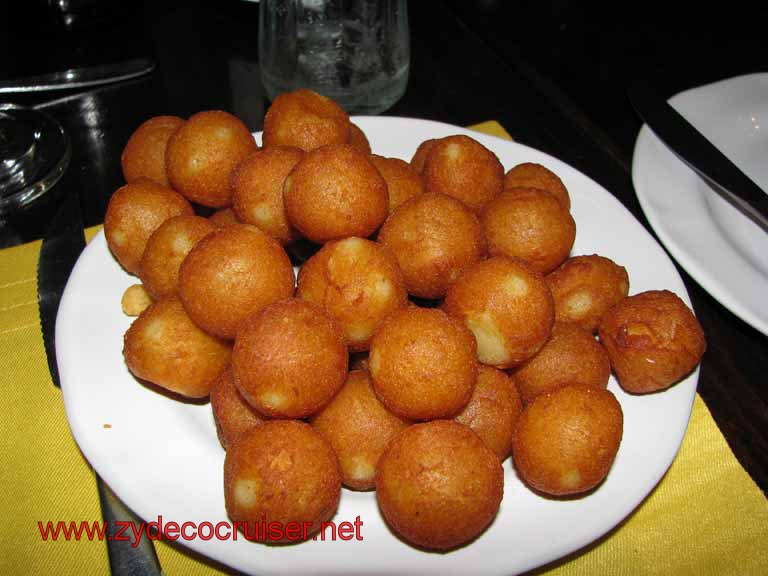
[706,516]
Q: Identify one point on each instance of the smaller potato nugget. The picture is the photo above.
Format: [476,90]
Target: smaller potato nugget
[358,139]
[335,192]
[289,359]
[566,439]
[571,356]
[232,414]
[434,237]
[461,167]
[507,306]
[357,282]
[224,217]
[420,156]
[653,340]
[166,250]
[257,190]
[531,175]
[423,364]
[135,300]
[438,485]
[359,427]
[144,153]
[585,287]
[202,153]
[164,347]
[134,212]
[282,480]
[493,410]
[403,182]
[230,274]
[529,224]
[305,119]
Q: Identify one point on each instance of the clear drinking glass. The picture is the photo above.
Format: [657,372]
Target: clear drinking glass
[354,51]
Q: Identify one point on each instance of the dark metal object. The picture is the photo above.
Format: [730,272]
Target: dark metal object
[61,247]
[700,154]
[79,77]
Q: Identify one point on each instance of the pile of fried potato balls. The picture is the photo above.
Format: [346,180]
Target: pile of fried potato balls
[472,331]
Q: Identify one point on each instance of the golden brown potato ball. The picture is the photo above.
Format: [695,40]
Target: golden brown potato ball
[144,153]
[359,427]
[358,139]
[283,474]
[224,217]
[585,287]
[438,485]
[357,282]
[335,192]
[423,364]
[257,190]
[507,306]
[493,410]
[230,274]
[163,346]
[134,212]
[566,439]
[403,182]
[305,119]
[461,167]
[289,359]
[531,175]
[653,340]
[167,248]
[420,156]
[434,237]
[570,356]
[529,224]
[232,414]
[135,300]
[202,154]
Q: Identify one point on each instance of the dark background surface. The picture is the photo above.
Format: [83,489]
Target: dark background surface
[552,73]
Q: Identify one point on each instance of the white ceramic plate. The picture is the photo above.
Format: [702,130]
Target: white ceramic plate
[162,457]
[718,246]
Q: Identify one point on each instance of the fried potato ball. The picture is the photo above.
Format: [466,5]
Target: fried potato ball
[223,217]
[420,156]
[134,212]
[357,282]
[403,182]
[305,119]
[434,237]
[232,414]
[423,364]
[257,190]
[335,192]
[461,167]
[532,175]
[163,346]
[529,224]
[566,439]
[359,427]
[507,306]
[653,340]
[230,274]
[166,250]
[570,356]
[585,287]
[289,359]
[135,300]
[144,153]
[281,472]
[493,410]
[438,485]
[202,153]
[358,139]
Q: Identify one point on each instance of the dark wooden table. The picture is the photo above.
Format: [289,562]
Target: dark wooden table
[464,70]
